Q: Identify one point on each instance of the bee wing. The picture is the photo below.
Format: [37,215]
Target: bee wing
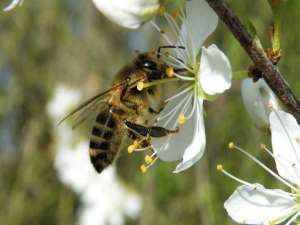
[81,113]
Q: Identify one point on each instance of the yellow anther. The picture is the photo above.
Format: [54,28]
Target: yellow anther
[181,119]
[263,146]
[298,139]
[136,143]
[220,167]
[131,148]
[148,159]
[162,10]
[143,168]
[175,13]
[170,72]
[231,145]
[140,85]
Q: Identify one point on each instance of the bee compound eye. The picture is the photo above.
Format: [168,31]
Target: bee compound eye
[148,64]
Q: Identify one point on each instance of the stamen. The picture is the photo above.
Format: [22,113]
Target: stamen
[142,149]
[221,169]
[297,140]
[172,111]
[162,10]
[180,63]
[131,149]
[181,119]
[176,32]
[143,169]
[186,105]
[180,93]
[148,159]
[175,13]
[194,106]
[161,81]
[170,72]
[186,78]
[270,104]
[264,167]
[263,146]
[161,32]
[231,145]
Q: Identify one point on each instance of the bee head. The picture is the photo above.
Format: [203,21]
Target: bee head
[151,66]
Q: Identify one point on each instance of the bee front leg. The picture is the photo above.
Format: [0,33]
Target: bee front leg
[154,111]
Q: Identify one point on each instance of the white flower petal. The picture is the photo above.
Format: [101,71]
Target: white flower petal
[200,22]
[128,13]
[196,148]
[285,130]
[257,205]
[172,147]
[257,97]
[215,70]
[12,5]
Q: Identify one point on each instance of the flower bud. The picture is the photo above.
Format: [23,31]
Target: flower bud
[259,100]
[128,13]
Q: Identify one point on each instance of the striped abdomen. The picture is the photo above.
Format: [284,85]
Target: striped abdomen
[105,139]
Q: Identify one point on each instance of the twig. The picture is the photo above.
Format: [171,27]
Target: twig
[270,72]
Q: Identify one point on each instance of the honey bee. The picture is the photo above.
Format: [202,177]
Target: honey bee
[123,110]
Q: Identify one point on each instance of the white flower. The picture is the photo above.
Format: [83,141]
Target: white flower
[105,200]
[257,97]
[13,4]
[255,204]
[128,13]
[204,75]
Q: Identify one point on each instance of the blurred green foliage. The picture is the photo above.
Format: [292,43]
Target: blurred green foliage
[45,43]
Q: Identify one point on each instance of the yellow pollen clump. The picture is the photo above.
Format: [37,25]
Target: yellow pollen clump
[170,72]
[263,146]
[131,148]
[181,119]
[220,167]
[175,13]
[231,145]
[148,159]
[140,85]
[143,168]
[162,10]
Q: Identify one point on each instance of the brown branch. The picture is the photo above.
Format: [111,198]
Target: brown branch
[270,72]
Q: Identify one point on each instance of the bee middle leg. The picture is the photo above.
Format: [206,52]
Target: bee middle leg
[151,131]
